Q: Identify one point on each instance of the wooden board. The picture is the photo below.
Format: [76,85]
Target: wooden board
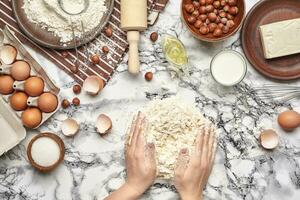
[265,12]
[48,39]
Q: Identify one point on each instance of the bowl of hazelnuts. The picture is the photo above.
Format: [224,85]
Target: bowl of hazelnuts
[213,20]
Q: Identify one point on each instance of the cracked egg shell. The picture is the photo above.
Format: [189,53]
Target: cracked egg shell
[6,84]
[269,139]
[20,70]
[93,84]
[8,54]
[69,127]
[103,124]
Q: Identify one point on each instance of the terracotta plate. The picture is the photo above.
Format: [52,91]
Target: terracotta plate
[265,12]
[48,39]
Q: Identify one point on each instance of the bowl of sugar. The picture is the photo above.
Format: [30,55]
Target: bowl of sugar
[46,151]
[228,68]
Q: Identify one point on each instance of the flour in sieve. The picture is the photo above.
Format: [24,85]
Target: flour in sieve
[48,15]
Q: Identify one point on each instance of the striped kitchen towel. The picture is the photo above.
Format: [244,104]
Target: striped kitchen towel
[65,60]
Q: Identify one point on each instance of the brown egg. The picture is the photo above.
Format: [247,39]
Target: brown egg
[47,102]
[18,101]
[6,84]
[31,117]
[289,120]
[20,70]
[34,86]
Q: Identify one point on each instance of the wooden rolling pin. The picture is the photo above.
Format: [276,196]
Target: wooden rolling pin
[133,20]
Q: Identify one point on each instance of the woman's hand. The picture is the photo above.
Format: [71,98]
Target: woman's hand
[140,163]
[192,172]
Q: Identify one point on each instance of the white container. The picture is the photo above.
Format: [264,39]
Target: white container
[228,68]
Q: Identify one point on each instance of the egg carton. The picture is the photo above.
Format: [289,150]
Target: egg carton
[10,120]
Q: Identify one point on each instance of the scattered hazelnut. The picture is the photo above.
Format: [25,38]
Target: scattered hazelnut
[76,89]
[65,104]
[204,30]
[154,36]
[229,16]
[212,17]
[202,2]
[95,59]
[196,4]
[226,8]
[222,14]
[76,101]
[191,19]
[230,23]
[196,13]
[209,2]
[225,29]
[217,32]
[198,23]
[202,9]
[224,20]
[202,18]
[189,8]
[218,20]
[212,27]
[216,11]
[217,4]
[232,2]
[233,10]
[64,54]
[149,76]
[108,32]
[209,8]
[223,2]
[105,49]
[220,25]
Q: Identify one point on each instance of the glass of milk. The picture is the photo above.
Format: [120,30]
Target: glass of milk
[228,67]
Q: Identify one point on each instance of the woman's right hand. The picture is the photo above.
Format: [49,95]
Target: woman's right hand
[192,172]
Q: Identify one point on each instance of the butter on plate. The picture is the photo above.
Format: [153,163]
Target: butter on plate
[280,38]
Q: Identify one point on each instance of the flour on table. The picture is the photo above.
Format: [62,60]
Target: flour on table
[49,15]
[172,125]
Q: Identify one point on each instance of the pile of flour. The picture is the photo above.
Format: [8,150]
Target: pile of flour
[49,15]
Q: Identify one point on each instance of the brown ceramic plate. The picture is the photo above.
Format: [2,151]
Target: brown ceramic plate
[48,39]
[265,12]
[209,37]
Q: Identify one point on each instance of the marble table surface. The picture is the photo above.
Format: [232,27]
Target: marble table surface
[94,165]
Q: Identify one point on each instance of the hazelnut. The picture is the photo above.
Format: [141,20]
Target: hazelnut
[202,18]
[216,11]
[209,8]
[95,59]
[226,8]
[229,16]
[189,8]
[209,2]
[196,4]
[202,10]
[65,103]
[230,23]
[223,2]
[225,29]
[105,49]
[232,2]
[212,27]
[202,2]
[218,20]
[217,32]
[76,89]
[212,17]
[149,76]
[76,101]
[154,36]
[196,13]
[198,23]
[222,14]
[220,25]
[64,54]
[204,30]
[108,32]
[224,20]
[217,4]
[191,19]
[207,21]
[233,10]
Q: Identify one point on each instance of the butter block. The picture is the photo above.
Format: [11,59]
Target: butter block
[280,38]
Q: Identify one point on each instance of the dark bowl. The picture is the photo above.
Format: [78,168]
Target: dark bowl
[209,37]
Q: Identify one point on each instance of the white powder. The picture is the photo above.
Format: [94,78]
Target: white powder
[49,15]
[172,125]
[45,151]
